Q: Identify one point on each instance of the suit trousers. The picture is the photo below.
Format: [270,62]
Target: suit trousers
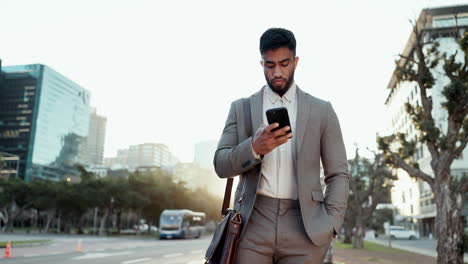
[275,234]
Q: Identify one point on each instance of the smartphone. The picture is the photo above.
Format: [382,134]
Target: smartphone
[278,115]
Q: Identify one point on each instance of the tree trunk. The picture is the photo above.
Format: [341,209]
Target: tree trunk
[348,235]
[59,223]
[102,227]
[49,217]
[359,234]
[96,210]
[5,218]
[13,215]
[448,223]
[119,216]
[79,225]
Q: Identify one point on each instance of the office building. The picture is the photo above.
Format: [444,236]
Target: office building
[204,153]
[94,153]
[44,119]
[149,155]
[413,199]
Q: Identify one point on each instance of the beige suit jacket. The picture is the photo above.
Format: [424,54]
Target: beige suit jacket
[318,137]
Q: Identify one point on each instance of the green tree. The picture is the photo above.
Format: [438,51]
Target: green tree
[2,162]
[379,217]
[44,193]
[421,67]
[71,206]
[15,197]
[369,184]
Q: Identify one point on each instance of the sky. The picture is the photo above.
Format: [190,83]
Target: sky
[167,71]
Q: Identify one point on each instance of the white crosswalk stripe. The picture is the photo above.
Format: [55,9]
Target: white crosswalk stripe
[201,261]
[133,261]
[172,255]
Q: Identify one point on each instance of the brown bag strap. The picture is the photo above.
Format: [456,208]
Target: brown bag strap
[230,180]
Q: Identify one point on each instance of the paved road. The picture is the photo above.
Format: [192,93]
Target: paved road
[424,246]
[109,250]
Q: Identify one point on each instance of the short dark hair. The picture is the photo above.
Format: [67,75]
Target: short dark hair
[275,38]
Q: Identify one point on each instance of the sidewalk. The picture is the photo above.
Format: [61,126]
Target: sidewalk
[412,248]
[383,255]
[362,256]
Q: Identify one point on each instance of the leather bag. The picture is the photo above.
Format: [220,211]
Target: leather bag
[223,246]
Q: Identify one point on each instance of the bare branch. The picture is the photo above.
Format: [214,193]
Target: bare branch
[408,58]
[413,172]
[464,186]
[421,80]
[458,151]
[453,131]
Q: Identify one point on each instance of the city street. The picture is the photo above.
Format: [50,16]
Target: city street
[424,246]
[63,249]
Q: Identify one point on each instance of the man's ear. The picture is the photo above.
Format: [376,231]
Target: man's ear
[261,63]
[296,60]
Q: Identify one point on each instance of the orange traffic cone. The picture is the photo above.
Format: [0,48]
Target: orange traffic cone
[78,246]
[7,250]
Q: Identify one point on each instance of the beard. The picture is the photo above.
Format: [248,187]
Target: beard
[280,91]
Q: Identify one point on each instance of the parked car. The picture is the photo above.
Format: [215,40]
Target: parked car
[399,232]
[144,228]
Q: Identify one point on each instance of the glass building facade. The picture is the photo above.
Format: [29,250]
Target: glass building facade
[44,118]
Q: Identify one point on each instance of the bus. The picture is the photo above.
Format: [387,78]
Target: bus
[181,224]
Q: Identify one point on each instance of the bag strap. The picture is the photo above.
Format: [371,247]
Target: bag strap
[230,180]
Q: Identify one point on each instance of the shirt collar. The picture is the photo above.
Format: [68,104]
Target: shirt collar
[290,95]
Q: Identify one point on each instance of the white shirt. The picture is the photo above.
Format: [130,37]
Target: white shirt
[278,172]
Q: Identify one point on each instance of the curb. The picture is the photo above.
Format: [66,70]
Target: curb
[421,251]
[33,244]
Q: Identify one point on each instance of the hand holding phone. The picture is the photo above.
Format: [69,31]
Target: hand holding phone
[278,115]
[267,138]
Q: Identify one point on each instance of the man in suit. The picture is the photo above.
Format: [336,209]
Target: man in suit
[286,217]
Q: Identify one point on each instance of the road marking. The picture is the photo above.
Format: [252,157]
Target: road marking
[136,261]
[173,255]
[196,251]
[102,255]
[31,255]
[196,261]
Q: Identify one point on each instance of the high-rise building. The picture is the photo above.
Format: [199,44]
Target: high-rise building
[412,198]
[151,154]
[121,160]
[204,153]
[44,119]
[196,177]
[95,142]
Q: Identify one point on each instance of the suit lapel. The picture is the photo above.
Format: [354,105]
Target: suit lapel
[303,112]
[256,110]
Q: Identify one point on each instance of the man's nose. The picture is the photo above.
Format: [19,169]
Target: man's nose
[277,72]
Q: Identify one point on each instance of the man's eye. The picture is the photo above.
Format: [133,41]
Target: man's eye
[284,64]
[270,65]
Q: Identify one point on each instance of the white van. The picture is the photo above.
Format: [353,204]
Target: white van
[399,232]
